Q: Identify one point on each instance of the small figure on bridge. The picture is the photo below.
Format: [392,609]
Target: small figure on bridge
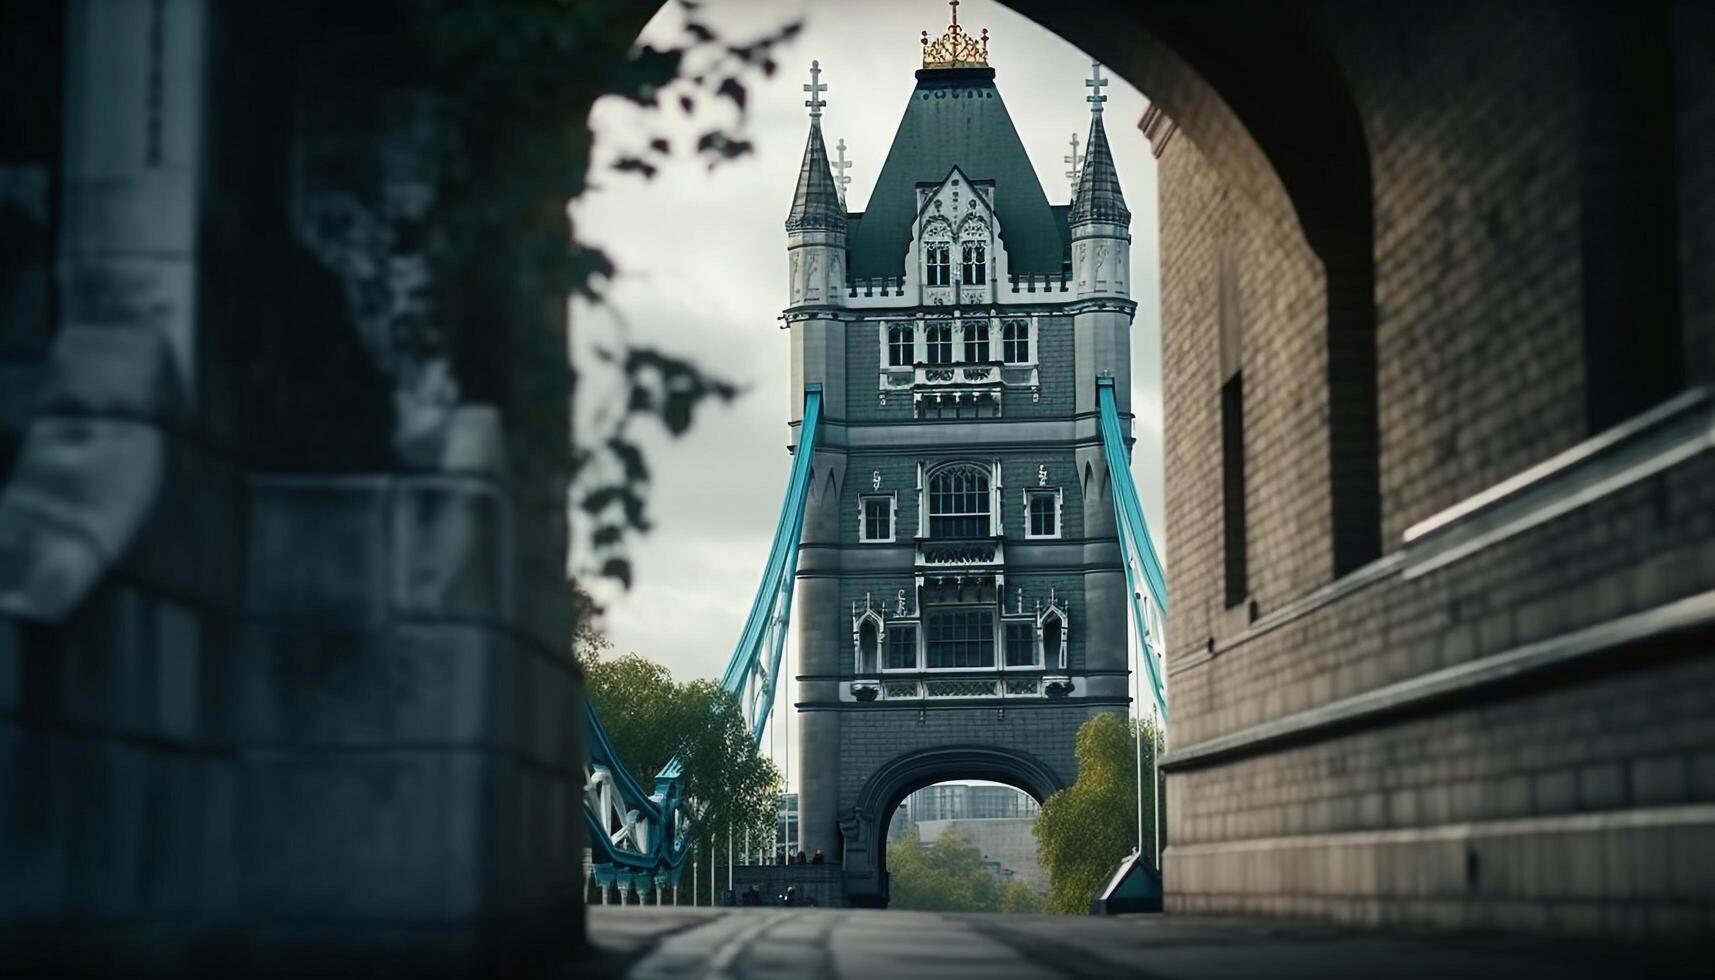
[800,859]
[817,857]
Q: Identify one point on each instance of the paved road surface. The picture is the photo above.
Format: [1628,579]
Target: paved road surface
[828,943]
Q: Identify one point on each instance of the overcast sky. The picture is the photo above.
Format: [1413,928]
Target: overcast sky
[703,273]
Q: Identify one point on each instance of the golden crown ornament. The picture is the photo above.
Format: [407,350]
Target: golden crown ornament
[955,48]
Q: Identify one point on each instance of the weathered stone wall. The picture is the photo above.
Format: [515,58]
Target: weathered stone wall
[270,691]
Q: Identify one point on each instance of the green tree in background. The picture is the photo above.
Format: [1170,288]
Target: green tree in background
[948,876]
[650,718]
[1088,828]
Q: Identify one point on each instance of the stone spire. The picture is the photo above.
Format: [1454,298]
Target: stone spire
[1098,197]
[816,200]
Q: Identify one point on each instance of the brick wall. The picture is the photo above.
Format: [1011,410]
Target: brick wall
[1494,186]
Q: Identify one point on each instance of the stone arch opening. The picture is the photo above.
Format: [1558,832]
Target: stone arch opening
[865,828]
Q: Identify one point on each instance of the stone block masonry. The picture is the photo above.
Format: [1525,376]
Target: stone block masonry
[1500,721]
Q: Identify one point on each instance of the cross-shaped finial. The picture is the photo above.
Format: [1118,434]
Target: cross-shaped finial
[1096,83]
[955,5]
[840,176]
[815,88]
[1076,159]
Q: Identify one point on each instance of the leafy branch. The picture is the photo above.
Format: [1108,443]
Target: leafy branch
[514,82]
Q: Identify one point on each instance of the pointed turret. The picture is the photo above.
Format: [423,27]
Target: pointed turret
[1098,198]
[816,225]
[1100,222]
[816,200]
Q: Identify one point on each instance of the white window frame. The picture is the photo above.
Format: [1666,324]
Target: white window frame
[1031,493]
[1035,644]
[1029,340]
[973,271]
[992,492]
[945,249]
[974,334]
[892,498]
[916,626]
[910,330]
[996,641]
[953,349]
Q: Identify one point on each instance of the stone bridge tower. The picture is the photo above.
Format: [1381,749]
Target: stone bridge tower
[960,599]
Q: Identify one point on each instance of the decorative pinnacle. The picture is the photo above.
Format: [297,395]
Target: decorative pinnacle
[955,48]
[1076,160]
[1095,82]
[841,178]
[814,103]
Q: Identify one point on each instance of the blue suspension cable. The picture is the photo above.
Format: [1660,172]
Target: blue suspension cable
[1136,547]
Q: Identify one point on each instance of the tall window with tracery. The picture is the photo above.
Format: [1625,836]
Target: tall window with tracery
[938,343]
[976,343]
[938,260]
[900,345]
[975,265]
[1015,342]
[959,503]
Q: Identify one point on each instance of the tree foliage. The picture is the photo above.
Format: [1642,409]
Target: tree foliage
[651,718]
[513,82]
[948,876]
[1088,828]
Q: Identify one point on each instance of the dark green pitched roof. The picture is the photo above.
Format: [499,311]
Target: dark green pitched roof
[815,200]
[956,118]
[1099,197]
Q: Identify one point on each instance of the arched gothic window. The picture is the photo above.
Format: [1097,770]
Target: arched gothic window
[900,345]
[959,502]
[975,264]
[937,257]
[1015,342]
[869,643]
[1053,641]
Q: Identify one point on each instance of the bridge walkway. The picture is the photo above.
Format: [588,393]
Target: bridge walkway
[647,943]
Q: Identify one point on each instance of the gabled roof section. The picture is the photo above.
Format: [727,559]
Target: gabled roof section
[816,200]
[1099,197]
[956,119]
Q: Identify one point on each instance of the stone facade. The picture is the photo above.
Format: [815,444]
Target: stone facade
[274,685]
[969,360]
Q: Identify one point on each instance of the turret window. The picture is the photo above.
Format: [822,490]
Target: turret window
[976,343]
[939,259]
[959,503]
[975,266]
[938,342]
[1015,342]
[900,341]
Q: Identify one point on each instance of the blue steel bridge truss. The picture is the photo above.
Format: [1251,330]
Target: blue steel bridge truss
[640,840]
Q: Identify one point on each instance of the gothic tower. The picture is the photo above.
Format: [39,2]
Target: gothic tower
[960,599]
